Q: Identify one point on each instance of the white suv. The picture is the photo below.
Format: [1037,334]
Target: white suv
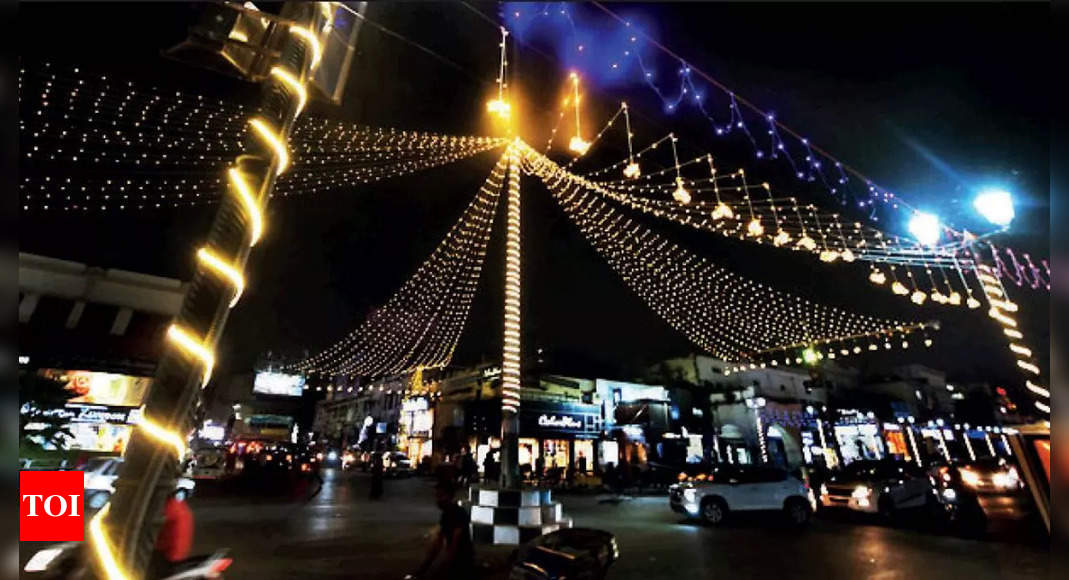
[743,488]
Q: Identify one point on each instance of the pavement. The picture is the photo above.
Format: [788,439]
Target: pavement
[340,533]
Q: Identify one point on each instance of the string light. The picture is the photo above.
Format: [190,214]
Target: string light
[272,139]
[209,259]
[500,106]
[102,546]
[632,170]
[163,435]
[577,144]
[182,339]
[510,357]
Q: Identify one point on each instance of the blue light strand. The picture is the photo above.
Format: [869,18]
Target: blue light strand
[672,103]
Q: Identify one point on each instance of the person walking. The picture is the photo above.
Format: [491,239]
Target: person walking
[376,475]
[468,469]
[453,538]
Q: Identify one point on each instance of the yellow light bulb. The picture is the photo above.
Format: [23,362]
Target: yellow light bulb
[847,255]
[632,171]
[499,107]
[972,303]
[877,277]
[954,298]
[899,288]
[578,145]
[918,297]
[807,242]
[681,194]
[754,228]
[721,211]
[829,256]
[782,238]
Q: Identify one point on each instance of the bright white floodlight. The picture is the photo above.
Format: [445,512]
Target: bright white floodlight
[925,227]
[996,205]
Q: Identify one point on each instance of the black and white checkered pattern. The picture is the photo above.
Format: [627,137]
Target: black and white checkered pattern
[512,517]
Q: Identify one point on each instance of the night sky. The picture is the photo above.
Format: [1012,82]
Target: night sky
[929,101]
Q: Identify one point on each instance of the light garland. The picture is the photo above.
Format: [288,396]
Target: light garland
[511,376]
[412,330]
[682,288]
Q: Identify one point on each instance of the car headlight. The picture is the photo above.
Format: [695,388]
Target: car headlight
[970,477]
[861,492]
[950,495]
[332,456]
[41,560]
[1006,479]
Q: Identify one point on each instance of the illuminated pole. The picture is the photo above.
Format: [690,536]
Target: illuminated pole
[511,370]
[122,535]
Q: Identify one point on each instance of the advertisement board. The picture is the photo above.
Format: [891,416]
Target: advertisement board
[97,388]
[278,384]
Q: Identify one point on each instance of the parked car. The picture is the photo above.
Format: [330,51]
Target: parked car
[884,487]
[575,553]
[100,476]
[397,464]
[970,492]
[209,463]
[742,488]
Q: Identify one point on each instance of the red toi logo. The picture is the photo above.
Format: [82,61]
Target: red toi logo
[51,506]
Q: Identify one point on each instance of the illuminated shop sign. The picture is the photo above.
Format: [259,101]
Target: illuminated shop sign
[99,414]
[559,422]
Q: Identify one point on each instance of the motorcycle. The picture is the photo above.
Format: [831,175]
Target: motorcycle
[68,560]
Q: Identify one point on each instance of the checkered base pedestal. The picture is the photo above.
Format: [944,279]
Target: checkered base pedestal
[513,516]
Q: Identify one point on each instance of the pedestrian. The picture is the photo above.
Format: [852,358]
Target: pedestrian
[175,538]
[582,463]
[488,467]
[453,538]
[540,467]
[468,470]
[376,475]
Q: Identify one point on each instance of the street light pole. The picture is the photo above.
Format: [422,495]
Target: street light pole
[122,535]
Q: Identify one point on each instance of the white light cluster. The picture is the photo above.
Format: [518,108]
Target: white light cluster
[421,323]
[723,313]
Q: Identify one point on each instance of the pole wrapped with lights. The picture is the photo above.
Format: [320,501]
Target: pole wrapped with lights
[123,533]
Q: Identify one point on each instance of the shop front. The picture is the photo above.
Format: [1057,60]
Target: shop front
[858,436]
[416,429]
[102,411]
[553,436]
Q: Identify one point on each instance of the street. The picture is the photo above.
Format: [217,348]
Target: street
[340,533]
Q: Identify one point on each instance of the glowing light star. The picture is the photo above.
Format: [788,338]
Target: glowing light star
[925,228]
[847,255]
[996,205]
[899,288]
[972,303]
[809,356]
[754,228]
[954,298]
[579,145]
[632,171]
[500,108]
[722,211]
[938,297]
[681,194]
[918,297]
[807,242]
[877,277]
[829,256]
[782,238]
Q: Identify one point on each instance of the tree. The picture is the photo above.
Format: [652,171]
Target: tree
[39,396]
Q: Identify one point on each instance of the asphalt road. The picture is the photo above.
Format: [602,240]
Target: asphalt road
[340,533]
